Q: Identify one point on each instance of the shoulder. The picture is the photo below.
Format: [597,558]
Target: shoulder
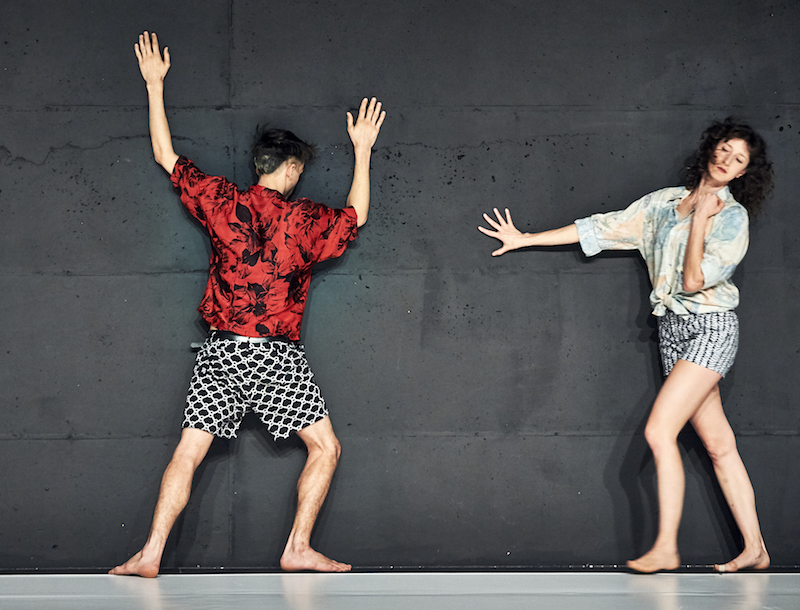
[181,167]
[732,221]
[185,166]
[732,208]
[730,201]
[735,215]
[667,197]
[657,203]
[308,208]
[307,204]
[307,213]
[668,194]
[187,173]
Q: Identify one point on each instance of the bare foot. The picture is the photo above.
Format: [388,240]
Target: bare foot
[655,561]
[138,566]
[757,559]
[309,559]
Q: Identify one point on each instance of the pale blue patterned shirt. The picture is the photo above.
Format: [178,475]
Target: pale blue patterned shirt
[652,226]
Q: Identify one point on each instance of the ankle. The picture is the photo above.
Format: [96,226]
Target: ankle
[296,547]
[664,548]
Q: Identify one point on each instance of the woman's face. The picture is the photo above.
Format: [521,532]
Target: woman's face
[729,161]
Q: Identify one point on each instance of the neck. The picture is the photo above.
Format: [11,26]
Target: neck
[710,186]
[272,182]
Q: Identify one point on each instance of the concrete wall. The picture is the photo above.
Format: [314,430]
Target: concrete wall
[490,410]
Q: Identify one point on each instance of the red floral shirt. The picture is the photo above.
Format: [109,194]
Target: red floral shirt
[262,250]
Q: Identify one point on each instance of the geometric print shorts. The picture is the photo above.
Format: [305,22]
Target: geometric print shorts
[708,339]
[273,379]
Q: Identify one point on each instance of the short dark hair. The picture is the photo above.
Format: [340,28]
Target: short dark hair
[755,185]
[274,146]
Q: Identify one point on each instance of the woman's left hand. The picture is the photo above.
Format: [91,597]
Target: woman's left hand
[704,201]
[708,205]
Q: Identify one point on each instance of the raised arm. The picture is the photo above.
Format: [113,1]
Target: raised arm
[705,205]
[513,238]
[363,132]
[154,69]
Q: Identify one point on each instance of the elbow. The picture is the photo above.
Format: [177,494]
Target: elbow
[361,214]
[166,160]
[692,285]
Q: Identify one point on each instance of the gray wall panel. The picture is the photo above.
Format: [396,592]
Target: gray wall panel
[97,357]
[98,496]
[559,54]
[435,352]
[68,55]
[489,499]
[98,204]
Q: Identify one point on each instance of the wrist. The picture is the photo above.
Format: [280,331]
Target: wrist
[532,239]
[364,152]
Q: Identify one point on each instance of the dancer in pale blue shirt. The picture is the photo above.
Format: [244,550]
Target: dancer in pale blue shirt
[691,239]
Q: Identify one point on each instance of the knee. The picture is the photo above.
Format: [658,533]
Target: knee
[719,447]
[328,448]
[334,449]
[185,458]
[191,449]
[658,438]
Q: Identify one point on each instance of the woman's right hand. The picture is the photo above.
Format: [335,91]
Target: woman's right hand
[504,230]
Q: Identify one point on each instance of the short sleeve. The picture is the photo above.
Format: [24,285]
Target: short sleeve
[201,194]
[725,245]
[322,232]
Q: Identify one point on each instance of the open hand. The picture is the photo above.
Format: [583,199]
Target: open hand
[504,230]
[364,131]
[152,66]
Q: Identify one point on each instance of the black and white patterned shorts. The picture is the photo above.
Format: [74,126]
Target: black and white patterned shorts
[708,339]
[273,379]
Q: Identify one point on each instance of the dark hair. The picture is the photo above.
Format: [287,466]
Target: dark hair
[752,188]
[274,146]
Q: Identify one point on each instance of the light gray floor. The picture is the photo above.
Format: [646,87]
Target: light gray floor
[406,591]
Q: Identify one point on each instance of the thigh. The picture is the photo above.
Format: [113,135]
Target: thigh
[712,425]
[319,434]
[685,390]
[284,395]
[194,445]
[214,402]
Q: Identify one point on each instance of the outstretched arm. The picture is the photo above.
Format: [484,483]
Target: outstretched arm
[513,238]
[363,132]
[154,69]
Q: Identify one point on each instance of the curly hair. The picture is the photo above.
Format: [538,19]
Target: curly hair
[274,146]
[751,189]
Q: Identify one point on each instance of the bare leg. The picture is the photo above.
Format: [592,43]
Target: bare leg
[176,485]
[714,430]
[686,388]
[312,487]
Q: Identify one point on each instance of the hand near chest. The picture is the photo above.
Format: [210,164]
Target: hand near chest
[704,204]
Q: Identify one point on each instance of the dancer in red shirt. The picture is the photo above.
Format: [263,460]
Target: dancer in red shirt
[264,246]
